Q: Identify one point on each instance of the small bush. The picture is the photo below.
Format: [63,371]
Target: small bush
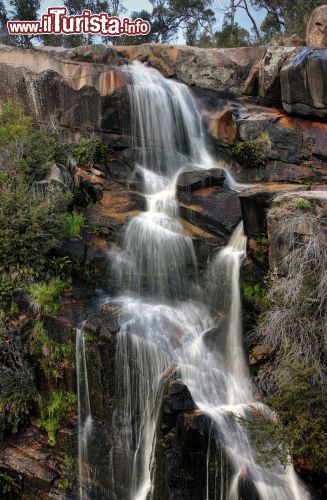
[12,283]
[300,428]
[301,203]
[60,266]
[254,293]
[91,151]
[63,484]
[71,462]
[253,154]
[25,148]
[53,357]
[17,384]
[59,407]
[73,225]
[10,487]
[31,223]
[46,296]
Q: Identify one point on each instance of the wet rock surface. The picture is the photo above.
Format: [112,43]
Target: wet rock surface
[187,458]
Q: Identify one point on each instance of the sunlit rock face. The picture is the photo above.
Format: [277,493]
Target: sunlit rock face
[316,35]
[76,74]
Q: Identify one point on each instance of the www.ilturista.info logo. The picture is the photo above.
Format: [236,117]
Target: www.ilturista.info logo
[57,21]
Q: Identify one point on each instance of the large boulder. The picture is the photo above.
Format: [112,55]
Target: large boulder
[263,79]
[316,35]
[303,80]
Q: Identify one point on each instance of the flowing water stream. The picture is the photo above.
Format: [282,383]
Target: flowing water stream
[85,423]
[170,316]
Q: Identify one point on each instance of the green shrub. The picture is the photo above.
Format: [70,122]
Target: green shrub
[60,266]
[73,224]
[10,487]
[255,293]
[12,283]
[301,203]
[31,223]
[46,296]
[71,462]
[253,154]
[301,426]
[25,148]
[17,383]
[59,407]
[63,484]
[91,151]
[53,357]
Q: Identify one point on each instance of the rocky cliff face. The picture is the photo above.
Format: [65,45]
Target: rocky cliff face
[262,145]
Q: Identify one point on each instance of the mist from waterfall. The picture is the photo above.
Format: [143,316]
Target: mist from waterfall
[172,320]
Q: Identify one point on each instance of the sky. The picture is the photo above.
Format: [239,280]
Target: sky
[132,5]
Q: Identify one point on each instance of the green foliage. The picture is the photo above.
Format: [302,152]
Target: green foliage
[60,266]
[12,282]
[17,384]
[24,10]
[57,408]
[254,293]
[73,224]
[301,203]
[91,151]
[270,27]
[232,36]
[253,154]
[288,15]
[63,484]
[10,487]
[24,148]
[46,296]
[71,462]
[53,357]
[261,250]
[301,426]
[31,223]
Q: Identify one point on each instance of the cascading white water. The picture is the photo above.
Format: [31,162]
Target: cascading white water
[85,423]
[168,318]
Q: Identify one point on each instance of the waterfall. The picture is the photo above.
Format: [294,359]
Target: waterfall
[168,314]
[85,423]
